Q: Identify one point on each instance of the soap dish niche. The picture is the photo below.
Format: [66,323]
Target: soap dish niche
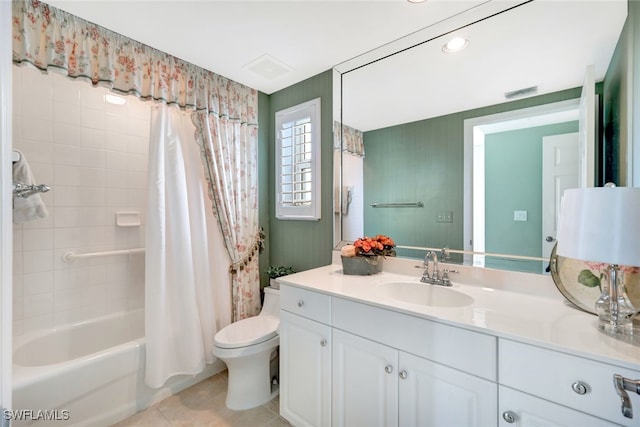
[127,219]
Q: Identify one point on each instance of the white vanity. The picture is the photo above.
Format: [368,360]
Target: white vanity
[496,348]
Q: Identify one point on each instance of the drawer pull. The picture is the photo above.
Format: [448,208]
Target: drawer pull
[403,375]
[509,416]
[323,343]
[388,369]
[300,303]
[580,387]
[621,384]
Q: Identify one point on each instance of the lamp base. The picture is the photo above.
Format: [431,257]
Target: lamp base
[614,307]
[620,327]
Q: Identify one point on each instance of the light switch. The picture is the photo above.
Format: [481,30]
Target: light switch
[445,216]
[519,215]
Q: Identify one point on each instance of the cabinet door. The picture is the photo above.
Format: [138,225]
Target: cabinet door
[365,382]
[435,395]
[305,371]
[523,410]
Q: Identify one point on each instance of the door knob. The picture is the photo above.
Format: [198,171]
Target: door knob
[388,369]
[550,239]
[509,416]
[403,375]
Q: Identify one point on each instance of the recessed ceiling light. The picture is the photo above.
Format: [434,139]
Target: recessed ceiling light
[416,1]
[456,44]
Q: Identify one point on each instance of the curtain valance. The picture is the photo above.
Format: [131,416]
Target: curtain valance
[47,38]
[352,139]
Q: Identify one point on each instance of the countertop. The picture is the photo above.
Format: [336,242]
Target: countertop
[519,306]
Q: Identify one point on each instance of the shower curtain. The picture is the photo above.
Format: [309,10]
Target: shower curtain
[180,314]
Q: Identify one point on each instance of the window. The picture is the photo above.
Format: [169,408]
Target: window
[298,162]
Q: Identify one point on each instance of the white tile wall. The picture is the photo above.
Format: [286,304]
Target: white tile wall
[93,155]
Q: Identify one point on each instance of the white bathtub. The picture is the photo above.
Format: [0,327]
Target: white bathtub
[88,374]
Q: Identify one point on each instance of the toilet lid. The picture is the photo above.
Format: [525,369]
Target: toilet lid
[246,332]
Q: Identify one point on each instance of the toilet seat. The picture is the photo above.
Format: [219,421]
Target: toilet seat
[246,332]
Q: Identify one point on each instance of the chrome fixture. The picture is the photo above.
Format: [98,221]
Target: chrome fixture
[24,190]
[434,277]
[621,384]
[397,205]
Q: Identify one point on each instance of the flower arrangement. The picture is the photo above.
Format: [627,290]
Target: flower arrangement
[371,246]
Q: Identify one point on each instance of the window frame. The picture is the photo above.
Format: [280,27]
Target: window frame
[308,211]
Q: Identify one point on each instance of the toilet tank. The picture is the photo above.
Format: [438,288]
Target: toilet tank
[271,304]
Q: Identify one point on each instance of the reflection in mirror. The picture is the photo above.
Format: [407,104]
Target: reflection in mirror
[408,113]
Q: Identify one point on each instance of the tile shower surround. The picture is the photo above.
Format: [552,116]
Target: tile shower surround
[93,155]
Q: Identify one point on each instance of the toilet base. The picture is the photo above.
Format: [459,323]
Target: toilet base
[249,383]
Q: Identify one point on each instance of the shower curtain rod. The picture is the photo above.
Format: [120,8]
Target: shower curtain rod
[70,256]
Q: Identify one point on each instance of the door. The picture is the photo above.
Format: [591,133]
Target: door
[365,382]
[587,129]
[560,170]
[438,396]
[305,371]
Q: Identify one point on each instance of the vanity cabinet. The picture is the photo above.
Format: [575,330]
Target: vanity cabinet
[378,382]
[576,383]
[385,368]
[305,357]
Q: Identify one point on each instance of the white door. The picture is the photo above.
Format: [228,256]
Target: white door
[305,371]
[523,410]
[587,129]
[560,169]
[365,382]
[435,395]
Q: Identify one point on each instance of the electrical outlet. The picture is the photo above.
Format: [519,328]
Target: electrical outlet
[519,215]
[445,216]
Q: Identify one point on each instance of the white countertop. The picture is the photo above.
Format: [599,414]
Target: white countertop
[519,306]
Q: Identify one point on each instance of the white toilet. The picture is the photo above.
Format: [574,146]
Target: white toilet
[246,347]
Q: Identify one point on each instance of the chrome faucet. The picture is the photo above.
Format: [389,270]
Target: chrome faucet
[434,277]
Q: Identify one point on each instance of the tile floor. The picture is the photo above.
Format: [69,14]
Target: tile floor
[203,405]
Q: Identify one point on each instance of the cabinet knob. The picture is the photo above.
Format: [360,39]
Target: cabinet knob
[388,369]
[403,375]
[323,343]
[580,387]
[300,303]
[509,416]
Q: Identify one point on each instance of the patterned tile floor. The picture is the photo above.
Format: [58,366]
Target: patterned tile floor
[203,405]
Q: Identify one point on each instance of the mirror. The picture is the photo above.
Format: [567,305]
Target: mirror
[408,106]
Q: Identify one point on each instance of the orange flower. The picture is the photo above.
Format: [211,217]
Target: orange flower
[379,245]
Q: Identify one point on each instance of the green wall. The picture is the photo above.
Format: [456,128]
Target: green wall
[423,161]
[513,181]
[302,244]
[263,179]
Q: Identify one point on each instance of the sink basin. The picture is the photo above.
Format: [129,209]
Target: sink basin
[423,294]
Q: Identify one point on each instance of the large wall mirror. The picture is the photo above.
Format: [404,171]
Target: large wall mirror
[440,149]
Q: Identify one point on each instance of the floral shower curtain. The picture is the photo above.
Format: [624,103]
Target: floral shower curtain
[51,39]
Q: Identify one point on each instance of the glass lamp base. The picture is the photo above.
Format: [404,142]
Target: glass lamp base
[614,307]
[620,327]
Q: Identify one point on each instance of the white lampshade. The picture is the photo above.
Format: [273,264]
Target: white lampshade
[600,224]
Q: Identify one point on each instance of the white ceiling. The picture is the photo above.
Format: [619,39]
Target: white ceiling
[302,38]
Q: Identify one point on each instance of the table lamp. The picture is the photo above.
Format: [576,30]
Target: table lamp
[602,224]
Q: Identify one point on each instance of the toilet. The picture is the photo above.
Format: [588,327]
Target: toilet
[247,347]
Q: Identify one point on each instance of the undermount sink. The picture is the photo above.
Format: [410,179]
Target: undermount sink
[423,294]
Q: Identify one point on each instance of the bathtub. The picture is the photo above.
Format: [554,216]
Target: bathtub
[87,374]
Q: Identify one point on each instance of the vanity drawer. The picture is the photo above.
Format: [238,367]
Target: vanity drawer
[458,348]
[573,381]
[305,303]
